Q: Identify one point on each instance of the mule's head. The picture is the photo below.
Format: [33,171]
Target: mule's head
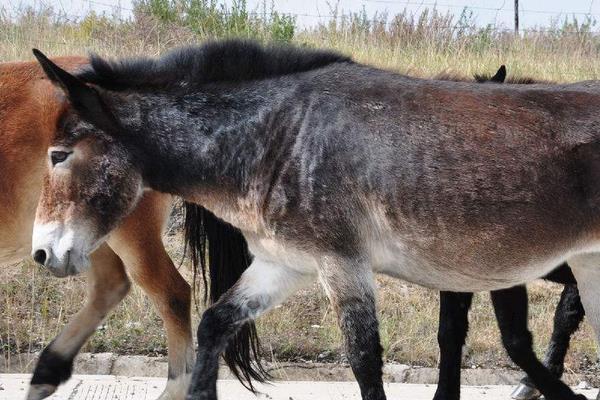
[92,181]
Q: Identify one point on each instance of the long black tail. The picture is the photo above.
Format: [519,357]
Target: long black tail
[228,258]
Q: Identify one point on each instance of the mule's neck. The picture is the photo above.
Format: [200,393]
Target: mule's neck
[218,147]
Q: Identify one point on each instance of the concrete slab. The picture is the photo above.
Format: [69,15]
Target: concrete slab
[102,387]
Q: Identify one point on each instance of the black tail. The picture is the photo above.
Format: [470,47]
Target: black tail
[228,258]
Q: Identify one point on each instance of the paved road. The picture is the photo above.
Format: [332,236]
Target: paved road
[102,387]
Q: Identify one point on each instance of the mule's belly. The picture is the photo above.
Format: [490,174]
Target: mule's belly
[435,271]
[420,267]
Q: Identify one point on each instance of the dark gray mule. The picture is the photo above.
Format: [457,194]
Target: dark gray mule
[332,170]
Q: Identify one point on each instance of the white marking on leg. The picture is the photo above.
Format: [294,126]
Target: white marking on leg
[264,285]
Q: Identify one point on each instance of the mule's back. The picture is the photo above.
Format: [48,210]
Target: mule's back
[479,176]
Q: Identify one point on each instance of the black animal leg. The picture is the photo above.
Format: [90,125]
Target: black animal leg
[510,306]
[452,331]
[569,314]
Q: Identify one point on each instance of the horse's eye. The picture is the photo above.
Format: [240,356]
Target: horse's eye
[58,156]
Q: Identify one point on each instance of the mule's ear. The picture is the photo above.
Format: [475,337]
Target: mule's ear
[84,99]
[500,75]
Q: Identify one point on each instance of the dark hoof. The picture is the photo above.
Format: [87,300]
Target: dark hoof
[446,396]
[580,397]
[51,369]
[525,392]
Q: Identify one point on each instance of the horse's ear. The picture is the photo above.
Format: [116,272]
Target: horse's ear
[85,99]
[500,75]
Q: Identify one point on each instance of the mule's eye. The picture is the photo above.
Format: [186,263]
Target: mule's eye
[58,156]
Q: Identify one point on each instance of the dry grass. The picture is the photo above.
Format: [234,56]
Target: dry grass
[34,306]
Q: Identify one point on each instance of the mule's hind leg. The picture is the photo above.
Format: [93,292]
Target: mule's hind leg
[510,306]
[262,286]
[452,331]
[107,285]
[349,286]
[586,269]
[567,317]
[138,242]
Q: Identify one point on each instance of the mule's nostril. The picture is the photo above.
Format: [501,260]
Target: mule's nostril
[40,256]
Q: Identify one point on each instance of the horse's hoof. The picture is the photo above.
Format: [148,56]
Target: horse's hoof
[40,391]
[525,392]
[176,388]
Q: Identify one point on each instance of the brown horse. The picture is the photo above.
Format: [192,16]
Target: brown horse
[29,111]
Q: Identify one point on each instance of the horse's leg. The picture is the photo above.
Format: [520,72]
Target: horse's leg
[138,242]
[262,286]
[510,306]
[349,286]
[107,285]
[569,314]
[452,331]
[586,269]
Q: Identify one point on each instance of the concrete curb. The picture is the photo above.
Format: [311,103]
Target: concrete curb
[113,364]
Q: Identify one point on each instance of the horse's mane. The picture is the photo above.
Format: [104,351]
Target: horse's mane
[216,61]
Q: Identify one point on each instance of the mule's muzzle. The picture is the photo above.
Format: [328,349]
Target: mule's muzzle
[59,267]
[60,249]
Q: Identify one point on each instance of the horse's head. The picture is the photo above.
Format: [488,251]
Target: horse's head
[92,181]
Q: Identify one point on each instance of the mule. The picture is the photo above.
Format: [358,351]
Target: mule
[454,309]
[331,170]
[22,83]
[29,113]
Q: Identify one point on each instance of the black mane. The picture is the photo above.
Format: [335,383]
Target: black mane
[217,61]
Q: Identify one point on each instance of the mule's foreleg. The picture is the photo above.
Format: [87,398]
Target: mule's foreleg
[107,285]
[586,269]
[510,306]
[567,317]
[349,286]
[262,286]
[452,332]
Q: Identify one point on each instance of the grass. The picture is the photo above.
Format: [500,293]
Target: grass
[35,306]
